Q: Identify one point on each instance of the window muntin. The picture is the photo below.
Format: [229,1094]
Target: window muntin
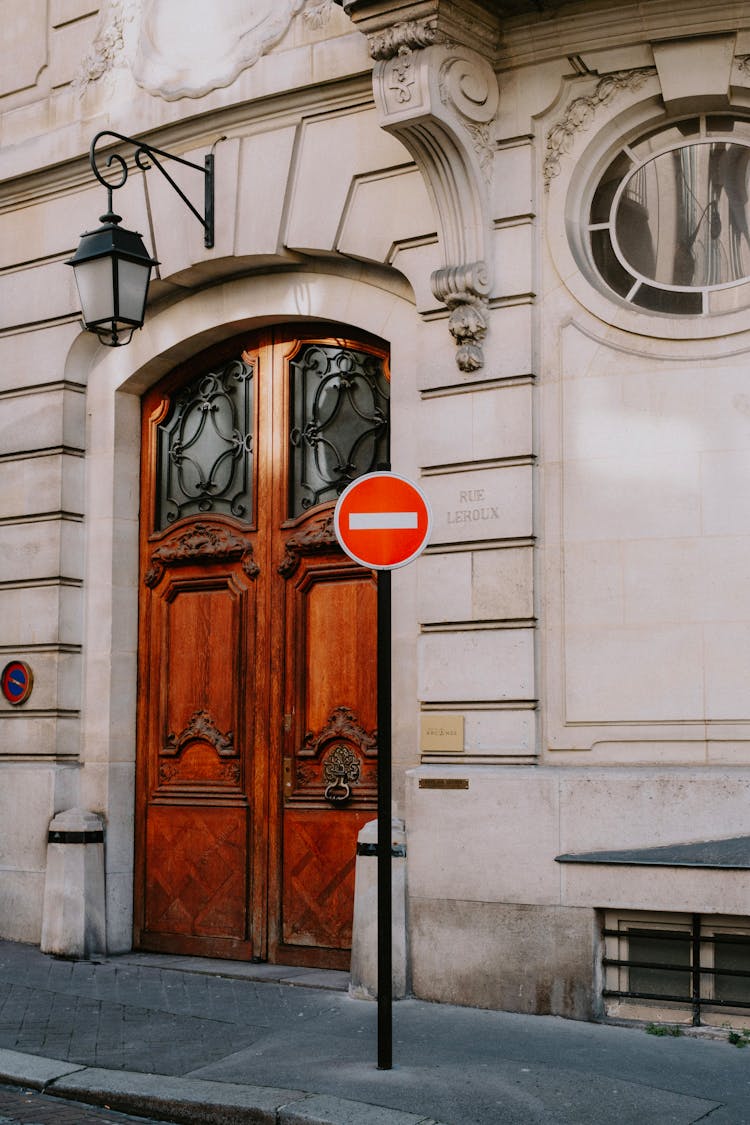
[669,220]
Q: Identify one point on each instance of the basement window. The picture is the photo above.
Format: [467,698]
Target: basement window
[677,968]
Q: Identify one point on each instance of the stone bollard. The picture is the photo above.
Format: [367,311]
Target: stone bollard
[73,921]
[364,971]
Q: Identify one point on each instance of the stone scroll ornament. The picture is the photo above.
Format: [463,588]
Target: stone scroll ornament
[441,100]
[579,115]
[464,291]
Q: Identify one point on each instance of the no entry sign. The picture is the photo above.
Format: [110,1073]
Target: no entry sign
[382,521]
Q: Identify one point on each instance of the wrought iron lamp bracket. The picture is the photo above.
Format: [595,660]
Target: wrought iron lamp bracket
[147,156]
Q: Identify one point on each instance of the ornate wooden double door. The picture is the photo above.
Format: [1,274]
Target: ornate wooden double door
[256,763]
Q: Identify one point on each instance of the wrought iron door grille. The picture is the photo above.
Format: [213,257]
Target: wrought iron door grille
[339,421]
[205,447]
[690,963]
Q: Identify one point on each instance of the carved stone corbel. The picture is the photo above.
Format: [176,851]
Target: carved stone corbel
[440,98]
[464,290]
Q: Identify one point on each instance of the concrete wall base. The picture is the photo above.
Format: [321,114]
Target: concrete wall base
[518,958]
[73,920]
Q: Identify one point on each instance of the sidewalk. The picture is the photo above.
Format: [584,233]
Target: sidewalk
[219,1043]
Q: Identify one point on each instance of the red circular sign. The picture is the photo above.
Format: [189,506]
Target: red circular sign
[382,521]
[16,681]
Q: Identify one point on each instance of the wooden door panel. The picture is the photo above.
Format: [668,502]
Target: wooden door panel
[202,636]
[336,606]
[201,624]
[196,871]
[319,851]
[331,681]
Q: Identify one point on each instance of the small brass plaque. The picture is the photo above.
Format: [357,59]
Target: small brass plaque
[441,734]
[443,783]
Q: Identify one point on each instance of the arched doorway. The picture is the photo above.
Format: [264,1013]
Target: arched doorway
[256,758]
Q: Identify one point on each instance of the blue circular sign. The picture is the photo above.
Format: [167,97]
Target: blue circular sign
[16,682]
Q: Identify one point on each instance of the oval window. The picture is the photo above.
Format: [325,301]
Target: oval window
[670,230]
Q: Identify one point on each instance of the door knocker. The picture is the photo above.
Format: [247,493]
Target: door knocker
[340,770]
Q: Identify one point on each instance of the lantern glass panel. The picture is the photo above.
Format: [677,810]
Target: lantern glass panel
[133,281]
[94,279]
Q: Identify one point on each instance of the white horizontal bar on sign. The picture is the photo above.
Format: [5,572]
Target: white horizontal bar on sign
[382,521]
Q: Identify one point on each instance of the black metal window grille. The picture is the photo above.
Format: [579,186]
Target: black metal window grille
[695,965]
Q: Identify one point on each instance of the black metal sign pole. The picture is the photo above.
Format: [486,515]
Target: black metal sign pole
[385,921]
[361,508]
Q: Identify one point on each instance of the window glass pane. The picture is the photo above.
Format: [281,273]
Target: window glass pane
[683,217]
[339,421]
[609,265]
[668,301]
[605,193]
[720,124]
[732,953]
[659,951]
[724,124]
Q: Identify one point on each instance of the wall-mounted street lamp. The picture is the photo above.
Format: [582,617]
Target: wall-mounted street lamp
[111,265]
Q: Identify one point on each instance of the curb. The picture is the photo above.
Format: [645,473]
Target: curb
[193,1101]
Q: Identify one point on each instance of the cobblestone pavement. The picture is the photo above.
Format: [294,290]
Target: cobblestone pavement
[127,1016]
[27,1107]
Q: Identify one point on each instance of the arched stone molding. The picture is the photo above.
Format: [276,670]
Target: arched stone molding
[115,380]
[440,97]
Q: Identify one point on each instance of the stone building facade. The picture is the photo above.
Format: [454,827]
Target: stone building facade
[534,216]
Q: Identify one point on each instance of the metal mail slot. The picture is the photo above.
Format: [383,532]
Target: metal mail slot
[443,783]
